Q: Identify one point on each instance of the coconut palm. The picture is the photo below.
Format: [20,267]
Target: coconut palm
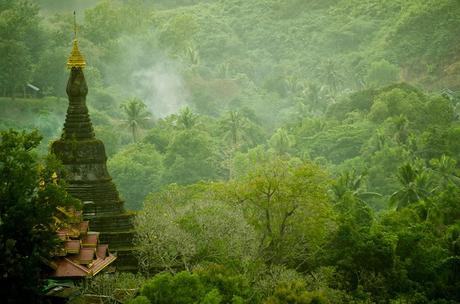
[193,56]
[401,124]
[446,169]
[350,198]
[331,77]
[314,94]
[416,185]
[349,184]
[136,114]
[281,142]
[186,119]
[235,127]
[293,85]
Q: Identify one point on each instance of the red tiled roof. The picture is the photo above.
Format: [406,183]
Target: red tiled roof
[62,234]
[102,251]
[80,228]
[100,264]
[59,251]
[90,239]
[72,246]
[86,255]
[68,268]
[84,226]
[73,232]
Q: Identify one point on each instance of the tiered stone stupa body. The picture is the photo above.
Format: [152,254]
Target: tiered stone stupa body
[84,157]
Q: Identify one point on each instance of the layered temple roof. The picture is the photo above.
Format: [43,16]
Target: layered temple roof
[80,254]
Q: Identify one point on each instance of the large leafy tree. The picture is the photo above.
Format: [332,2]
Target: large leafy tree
[287,203]
[29,195]
[19,25]
[191,157]
[137,170]
[178,229]
[382,73]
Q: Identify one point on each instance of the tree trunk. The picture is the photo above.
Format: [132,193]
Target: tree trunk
[133,130]
[13,95]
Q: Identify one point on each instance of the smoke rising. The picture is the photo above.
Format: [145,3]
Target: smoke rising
[161,87]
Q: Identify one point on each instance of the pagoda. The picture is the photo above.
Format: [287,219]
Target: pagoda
[86,175]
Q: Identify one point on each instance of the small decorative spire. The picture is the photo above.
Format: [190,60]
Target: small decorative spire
[76,59]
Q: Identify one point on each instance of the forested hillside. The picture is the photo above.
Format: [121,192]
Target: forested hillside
[302,151]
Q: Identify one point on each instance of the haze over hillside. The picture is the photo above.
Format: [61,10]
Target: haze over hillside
[269,151]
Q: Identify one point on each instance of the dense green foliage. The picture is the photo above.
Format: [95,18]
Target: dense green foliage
[276,151]
[29,195]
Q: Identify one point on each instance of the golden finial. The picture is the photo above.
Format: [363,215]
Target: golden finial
[76,59]
[54,177]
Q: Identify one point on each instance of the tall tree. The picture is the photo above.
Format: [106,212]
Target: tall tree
[29,195]
[137,171]
[446,170]
[281,142]
[382,73]
[18,27]
[136,114]
[314,95]
[234,126]
[190,157]
[416,185]
[331,77]
[350,185]
[186,119]
[287,204]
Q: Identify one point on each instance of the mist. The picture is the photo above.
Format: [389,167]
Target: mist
[161,87]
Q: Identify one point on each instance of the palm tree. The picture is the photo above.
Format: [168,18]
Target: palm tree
[235,127]
[223,70]
[281,141]
[416,185]
[292,85]
[349,184]
[401,124]
[136,114]
[446,169]
[350,198]
[380,139]
[186,119]
[314,94]
[192,56]
[330,75]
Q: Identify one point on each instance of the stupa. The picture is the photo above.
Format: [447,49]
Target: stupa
[87,178]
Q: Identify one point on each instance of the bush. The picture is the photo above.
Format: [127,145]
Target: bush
[211,284]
